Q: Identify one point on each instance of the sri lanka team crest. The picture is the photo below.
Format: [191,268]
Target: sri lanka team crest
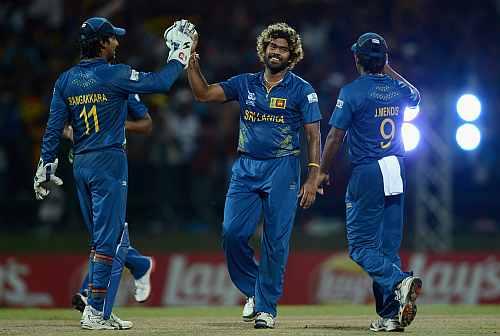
[278,103]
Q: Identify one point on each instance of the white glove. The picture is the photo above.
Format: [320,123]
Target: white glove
[186,27]
[183,26]
[179,39]
[45,173]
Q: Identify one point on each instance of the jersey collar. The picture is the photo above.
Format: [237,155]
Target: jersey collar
[285,82]
[92,61]
[372,75]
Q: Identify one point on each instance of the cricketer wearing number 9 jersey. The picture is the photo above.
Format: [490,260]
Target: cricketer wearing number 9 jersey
[370,109]
[92,97]
[275,104]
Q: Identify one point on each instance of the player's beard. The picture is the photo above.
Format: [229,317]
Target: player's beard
[275,67]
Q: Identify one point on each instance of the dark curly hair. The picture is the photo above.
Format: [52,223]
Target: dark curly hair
[90,48]
[281,30]
[372,64]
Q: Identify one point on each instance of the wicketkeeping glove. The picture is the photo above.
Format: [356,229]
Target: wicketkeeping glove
[45,173]
[179,39]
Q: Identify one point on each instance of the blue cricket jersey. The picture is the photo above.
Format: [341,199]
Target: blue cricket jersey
[93,96]
[371,109]
[270,121]
[136,109]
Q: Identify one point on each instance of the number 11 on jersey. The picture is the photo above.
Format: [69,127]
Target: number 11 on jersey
[86,116]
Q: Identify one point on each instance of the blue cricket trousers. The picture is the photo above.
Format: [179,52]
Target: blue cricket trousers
[101,179]
[269,187]
[374,232]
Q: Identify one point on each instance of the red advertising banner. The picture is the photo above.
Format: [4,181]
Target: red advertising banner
[202,279]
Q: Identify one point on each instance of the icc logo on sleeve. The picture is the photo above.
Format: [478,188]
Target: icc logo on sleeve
[134,75]
[312,98]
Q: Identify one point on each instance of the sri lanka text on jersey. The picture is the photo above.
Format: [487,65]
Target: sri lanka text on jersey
[256,116]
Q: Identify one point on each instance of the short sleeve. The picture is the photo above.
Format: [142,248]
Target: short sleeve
[231,87]
[136,108]
[342,114]
[411,96]
[309,105]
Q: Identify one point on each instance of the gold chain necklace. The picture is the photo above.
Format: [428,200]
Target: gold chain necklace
[272,84]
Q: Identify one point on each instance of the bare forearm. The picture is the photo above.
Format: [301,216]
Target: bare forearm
[198,83]
[314,152]
[333,142]
[313,137]
[141,126]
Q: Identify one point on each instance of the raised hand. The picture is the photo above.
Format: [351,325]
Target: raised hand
[181,39]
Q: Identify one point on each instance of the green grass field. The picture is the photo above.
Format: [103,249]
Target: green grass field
[293,320]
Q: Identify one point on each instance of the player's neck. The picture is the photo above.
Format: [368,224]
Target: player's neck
[271,80]
[363,72]
[96,58]
[274,78]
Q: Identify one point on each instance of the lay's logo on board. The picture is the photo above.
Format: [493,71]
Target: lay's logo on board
[278,103]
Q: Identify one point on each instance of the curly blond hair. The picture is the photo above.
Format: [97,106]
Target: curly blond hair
[281,30]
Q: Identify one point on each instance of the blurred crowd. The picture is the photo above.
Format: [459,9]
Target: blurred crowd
[178,176]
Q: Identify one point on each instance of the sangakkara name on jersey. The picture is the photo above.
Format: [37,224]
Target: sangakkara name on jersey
[91,98]
[388,111]
[256,117]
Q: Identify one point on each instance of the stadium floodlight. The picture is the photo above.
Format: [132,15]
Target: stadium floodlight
[468,136]
[411,113]
[468,107]
[411,136]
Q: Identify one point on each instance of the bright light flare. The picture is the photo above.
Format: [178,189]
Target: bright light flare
[468,107]
[411,113]
[468,137]
[411,136]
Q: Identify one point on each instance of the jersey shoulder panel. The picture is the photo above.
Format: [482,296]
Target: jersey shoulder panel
[299,79]
[350,89]
[114,71]
[249,76]
[63,79]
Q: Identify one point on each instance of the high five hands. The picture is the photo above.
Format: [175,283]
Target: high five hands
[181,38]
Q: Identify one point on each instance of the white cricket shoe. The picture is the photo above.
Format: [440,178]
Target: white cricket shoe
[92,320]
[406,293]
[249,313]
[143,284]
[264,321]
[386,324]
[122,324]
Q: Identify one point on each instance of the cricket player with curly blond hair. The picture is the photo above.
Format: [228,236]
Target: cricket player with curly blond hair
[275,104]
